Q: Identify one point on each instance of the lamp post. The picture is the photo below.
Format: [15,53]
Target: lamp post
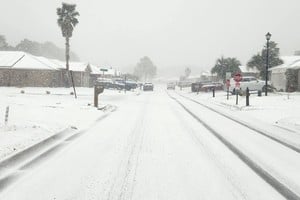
[268,37]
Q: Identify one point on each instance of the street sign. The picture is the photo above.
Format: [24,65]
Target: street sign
[103,70]
[228,75]
[237,77]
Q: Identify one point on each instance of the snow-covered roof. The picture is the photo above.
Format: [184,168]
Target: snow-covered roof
[51,62]
[78,66]
[9,58]
[73,66]
[296,65]
[95,69]
[289,62]
[245,69]
[22,60]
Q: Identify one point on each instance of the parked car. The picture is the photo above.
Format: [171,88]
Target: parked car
[148,87]
[121,84]
[211,86]
[105,82]
[248,82]
[206,86]
[195,87]
[171,86]
[131,84]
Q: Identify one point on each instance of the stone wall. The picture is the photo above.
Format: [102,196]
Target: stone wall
[30,78]
[42,78]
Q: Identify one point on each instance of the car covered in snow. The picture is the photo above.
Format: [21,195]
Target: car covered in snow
[206,86]
[148,87]
[211,86]
[247,82]
[105,82]
[171,86]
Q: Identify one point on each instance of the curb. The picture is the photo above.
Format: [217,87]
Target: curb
[16,163]
[18,157]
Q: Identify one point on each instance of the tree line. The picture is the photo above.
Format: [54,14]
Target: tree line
[46,49]
[257,61]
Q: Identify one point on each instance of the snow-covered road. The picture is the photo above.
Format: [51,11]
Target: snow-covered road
[151,148]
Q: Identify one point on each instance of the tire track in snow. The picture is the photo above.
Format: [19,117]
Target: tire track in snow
[124,180]
[236,191]
[271,180]
[284,143]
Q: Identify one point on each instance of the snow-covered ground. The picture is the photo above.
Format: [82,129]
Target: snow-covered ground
[35,115]
[151,148]
[278,109]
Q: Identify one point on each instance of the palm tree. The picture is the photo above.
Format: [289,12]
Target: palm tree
[67,21]
[224,65]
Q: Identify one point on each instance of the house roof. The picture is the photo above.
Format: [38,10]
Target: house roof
[51,62]
[245,69]
[22,60]
[95,69]
[73,66]
[78,66]
[289,62]
[9,58]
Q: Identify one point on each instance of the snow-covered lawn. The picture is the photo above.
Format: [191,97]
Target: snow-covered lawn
[35,115]
[277,109]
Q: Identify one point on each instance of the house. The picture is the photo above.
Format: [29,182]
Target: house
[22,69]
[279,77]
[80,72]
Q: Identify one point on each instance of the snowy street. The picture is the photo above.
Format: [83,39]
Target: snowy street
[150,100]
[160,145]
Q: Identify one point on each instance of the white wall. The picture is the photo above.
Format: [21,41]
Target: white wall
[278,80]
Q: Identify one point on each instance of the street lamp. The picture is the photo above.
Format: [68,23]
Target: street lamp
[268,37]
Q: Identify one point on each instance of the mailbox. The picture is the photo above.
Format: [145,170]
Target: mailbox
[98,89]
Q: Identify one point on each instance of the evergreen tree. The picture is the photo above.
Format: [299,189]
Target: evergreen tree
[29,46]
[260,59]
[224,65]
[47,49]
[3,43]
[50,50]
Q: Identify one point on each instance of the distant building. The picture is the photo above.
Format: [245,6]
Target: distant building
[247,71]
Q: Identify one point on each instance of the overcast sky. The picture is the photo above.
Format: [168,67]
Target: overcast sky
[173,33]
